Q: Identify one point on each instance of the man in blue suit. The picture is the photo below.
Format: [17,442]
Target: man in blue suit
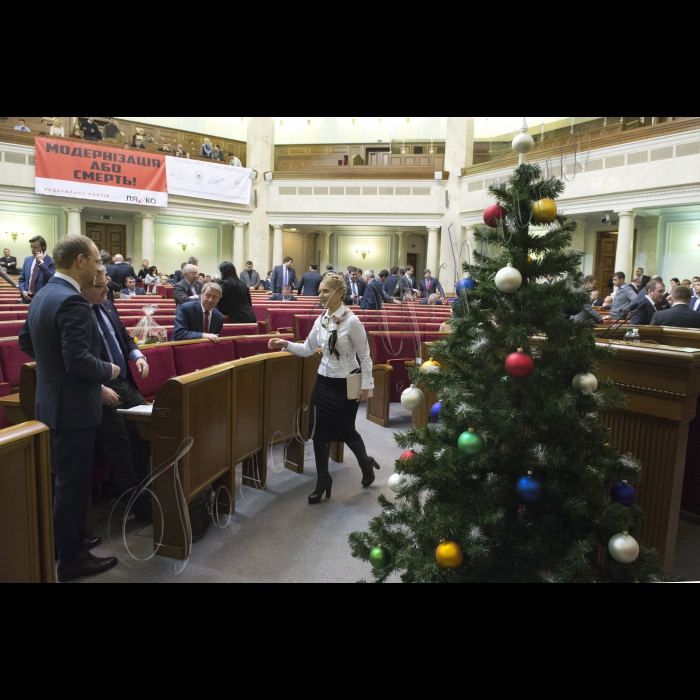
[62,335]
[649,304]
[429,286]
[131,290]
[200,320]
[310,282]
[285,296]
[284,275]
[37,270]
[375,297]
[679,315]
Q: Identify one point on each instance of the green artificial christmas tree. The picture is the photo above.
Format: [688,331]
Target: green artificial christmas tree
[520,483]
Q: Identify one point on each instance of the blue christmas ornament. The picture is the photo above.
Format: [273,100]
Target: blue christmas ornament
[624,494]
[466,285]
[529,489]
[435,412]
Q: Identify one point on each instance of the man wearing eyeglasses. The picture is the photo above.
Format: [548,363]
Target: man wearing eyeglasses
[61,333]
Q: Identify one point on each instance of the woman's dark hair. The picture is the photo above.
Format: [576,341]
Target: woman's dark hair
[230,276]
[676,280]
[153,271]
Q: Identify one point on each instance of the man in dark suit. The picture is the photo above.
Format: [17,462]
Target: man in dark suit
[9,263]
[356,288]
[126,452]
[200,320]
[407,284]
[37,270]
[267,284]
[62,335]
[131,290]
[310,282]
[649,304]
[283,276]
[645,278]
[429,286]
[285,296]
[679,316]
[91,131]
[190,289]
[375,297]
[120,271]
[390,283]
[641,297]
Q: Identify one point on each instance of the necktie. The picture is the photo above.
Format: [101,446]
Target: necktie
[114,349]
[286,278]
[428,285]
[35,277]
[206,321]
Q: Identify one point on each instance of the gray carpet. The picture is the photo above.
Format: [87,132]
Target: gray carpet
[276,537]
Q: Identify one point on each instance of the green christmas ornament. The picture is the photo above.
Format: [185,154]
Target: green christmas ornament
[380,558]
[471,444]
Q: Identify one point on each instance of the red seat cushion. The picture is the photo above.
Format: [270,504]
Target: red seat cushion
[11,361]
[10,329]
[240,329]
[249,347]
[162,368]
[192,358]
[9,316]
[395,350]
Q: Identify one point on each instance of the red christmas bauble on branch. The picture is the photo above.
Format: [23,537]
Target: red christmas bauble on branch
[520,365]
[493,215]
[408,456]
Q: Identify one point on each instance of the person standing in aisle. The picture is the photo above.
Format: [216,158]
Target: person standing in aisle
[332,415]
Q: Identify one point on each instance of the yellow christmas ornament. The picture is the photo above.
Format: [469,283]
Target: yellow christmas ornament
[449,555]
[430,366]
[544,211]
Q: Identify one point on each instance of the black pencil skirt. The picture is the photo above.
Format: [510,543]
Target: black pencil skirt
[331,416]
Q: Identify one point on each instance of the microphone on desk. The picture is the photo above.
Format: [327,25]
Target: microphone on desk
[621,322]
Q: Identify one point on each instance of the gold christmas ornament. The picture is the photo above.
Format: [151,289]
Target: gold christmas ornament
[544,211]
[431,366]
[449,555]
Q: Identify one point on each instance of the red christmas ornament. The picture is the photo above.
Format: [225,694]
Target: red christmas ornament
[493,215]
[408,456]
[520,365]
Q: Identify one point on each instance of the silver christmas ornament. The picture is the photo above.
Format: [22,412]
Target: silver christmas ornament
[509,280]
[523,143]
[396,482]
[624,549]
[412,399]
[585,382]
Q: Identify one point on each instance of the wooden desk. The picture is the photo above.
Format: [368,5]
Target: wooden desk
[13,409]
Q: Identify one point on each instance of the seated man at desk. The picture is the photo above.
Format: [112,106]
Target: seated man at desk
[200,320]
[131,290]
[285,296]
[9,263]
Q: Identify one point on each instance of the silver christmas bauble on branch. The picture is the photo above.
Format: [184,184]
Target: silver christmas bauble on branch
[523,143]
[412,399]
[396,482]
[624,548]
[509,280]
[585,382]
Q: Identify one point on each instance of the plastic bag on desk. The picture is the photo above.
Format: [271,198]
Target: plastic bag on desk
[147,331]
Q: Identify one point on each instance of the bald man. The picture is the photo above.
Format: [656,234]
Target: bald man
[120,271]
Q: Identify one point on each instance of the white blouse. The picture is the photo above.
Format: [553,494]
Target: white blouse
[352,344]
[58,131]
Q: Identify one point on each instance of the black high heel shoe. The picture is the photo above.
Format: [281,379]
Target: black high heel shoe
[323,486]
[368,473]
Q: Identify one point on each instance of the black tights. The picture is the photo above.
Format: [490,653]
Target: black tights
[322,451]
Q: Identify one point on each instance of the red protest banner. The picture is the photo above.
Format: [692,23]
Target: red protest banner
[88,170]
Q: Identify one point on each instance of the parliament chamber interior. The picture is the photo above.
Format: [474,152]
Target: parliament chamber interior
[477,339]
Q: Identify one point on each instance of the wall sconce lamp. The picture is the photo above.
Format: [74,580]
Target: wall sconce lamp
[363,253]
[185,246]
[14,235]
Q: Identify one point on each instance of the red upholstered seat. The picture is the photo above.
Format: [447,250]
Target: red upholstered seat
[249,347]
[234,330]
[161,362]
[11,361]
[284,318]
[10,316]
[15,307]
[10,329]
[395,350]
[192,358]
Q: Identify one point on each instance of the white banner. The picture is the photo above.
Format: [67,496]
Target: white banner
[100,193]
[196,178]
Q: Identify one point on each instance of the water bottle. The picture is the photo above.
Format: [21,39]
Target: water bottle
[633,336]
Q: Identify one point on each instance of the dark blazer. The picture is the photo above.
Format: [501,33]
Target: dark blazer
[137,292]
[390,285]
[92,131]
[46,271]
[645,281]
[178,277]
[599,302]
[361,289]
[61,334]
[406,285]
[142,275]
[280,297]
[435,287]
[644,313]
[679,316]
[267,285]
[189,322]
[665,304]
[183,291]
[121,272]
[277,281]
[373,298]
[310,282]
[126,343]
[236,303]
[10,265]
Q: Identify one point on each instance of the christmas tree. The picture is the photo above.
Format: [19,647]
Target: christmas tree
[520,482]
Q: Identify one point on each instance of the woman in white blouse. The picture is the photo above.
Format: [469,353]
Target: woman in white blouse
[342,337]
[57,128]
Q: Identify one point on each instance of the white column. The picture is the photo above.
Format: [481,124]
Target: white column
[278,246]
[148,238]
[325,250]
[260,156]
[468,246]
[625,244]
[239,246]
[403,249]
[75,223]
[433,251]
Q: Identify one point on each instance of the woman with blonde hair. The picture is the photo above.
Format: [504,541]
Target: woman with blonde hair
[206,150]
[342,383]
[57,128]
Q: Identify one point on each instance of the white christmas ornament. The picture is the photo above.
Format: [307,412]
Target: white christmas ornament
[412,399]
[585,382]
[523,143]
[509,280]
[624,549]
[396,482]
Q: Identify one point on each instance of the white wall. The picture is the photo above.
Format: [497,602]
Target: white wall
[682,258]
[169,255]
[50,224]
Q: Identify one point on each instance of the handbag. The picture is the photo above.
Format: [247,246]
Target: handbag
[355,385]
[200,513]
